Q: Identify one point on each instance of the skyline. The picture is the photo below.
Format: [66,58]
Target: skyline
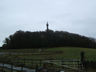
[32,15]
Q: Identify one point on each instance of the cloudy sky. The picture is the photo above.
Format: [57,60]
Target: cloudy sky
[76,16]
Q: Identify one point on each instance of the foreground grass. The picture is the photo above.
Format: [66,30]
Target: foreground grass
[48,53]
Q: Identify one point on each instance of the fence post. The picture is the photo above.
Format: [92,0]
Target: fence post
[11,67]
[22,67]
[24,61]
[3,66]
[82,60]
[36,68]
[82,57]
[62,62]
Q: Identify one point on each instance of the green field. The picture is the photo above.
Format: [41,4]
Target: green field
[15,56]
[50,53]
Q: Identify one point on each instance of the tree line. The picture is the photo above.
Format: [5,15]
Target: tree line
[44,39]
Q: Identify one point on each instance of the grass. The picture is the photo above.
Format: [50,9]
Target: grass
[7,70]
[48,53]
[58,53]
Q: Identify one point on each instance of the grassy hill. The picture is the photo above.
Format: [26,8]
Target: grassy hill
[42,39]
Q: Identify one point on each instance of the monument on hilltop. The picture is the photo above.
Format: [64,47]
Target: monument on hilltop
[47,26]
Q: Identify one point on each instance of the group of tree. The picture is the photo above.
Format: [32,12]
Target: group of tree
[43,39]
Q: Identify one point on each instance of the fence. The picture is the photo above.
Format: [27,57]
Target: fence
[50,64]
[18,64]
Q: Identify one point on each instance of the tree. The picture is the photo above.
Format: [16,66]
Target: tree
[43,39]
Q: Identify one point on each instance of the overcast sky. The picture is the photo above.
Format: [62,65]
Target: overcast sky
[76,16]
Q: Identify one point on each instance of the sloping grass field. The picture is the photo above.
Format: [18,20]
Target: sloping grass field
[50,53]
[67,53]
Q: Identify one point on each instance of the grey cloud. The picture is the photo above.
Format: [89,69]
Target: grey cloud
[76,16]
